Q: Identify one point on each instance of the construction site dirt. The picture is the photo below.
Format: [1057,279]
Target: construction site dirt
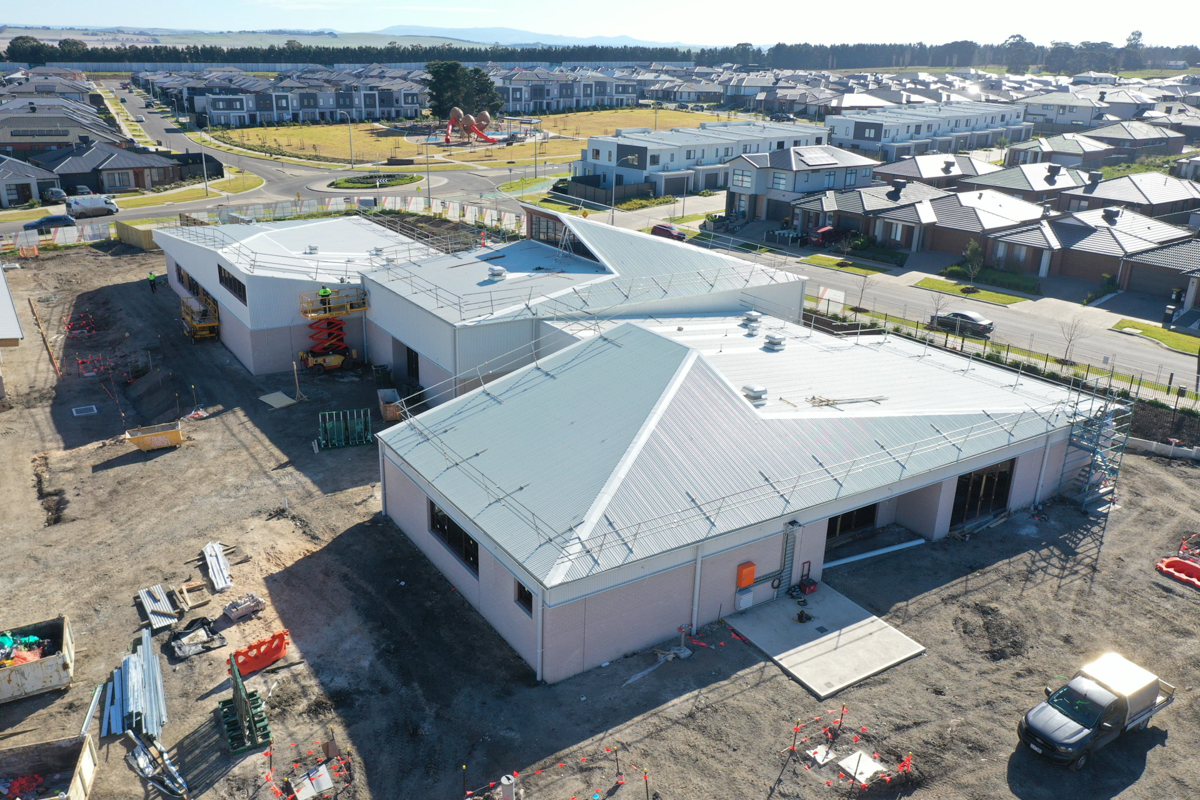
[386,657]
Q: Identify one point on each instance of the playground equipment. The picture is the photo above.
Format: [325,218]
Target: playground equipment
[468,125]
[329,350]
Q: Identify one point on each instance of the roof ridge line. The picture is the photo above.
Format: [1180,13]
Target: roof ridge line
[607,492]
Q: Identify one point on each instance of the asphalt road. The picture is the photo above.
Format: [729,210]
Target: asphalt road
[1032,324]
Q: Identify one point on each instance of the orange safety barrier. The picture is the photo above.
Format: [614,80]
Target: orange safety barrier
[262,653]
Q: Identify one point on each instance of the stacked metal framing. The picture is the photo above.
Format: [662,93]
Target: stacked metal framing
[135,700]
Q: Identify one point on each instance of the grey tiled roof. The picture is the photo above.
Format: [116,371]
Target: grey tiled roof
[870,199]
[936,165]
[1029,178]
[1145,188]
[1133,132]
[1182,256]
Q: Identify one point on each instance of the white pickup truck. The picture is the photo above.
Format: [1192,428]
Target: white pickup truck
[1106,698]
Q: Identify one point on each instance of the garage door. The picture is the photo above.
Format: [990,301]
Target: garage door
[947,240]
[1155,280]
[710,180]
[674,186]
[778,209]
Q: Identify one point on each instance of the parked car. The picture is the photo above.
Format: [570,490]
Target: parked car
[1106,698]
[963,322]
[782,118]
[682,106]
[139,118]
[669,231]
[46,224]
[54,195]
[82,190]
[94,205]
[124,99]
[823,237]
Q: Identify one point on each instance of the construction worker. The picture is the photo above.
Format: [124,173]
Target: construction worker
[324,294]
[153,282]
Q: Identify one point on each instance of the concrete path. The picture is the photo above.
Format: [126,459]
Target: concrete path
[842,645]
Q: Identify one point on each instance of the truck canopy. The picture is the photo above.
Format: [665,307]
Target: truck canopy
[1125,678]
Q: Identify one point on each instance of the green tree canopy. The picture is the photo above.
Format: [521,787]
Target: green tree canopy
[451,84]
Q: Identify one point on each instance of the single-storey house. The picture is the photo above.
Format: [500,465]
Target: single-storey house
[1034,183]
[1069,149]
[1164,269]
[940,170]
[105,168]
[1134,139]
[1083,244]
[21,182]
[1149,193]
[860,210]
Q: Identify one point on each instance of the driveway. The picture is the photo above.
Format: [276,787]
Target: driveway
[1136,305]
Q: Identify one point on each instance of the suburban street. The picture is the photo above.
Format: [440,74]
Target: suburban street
[1034,324]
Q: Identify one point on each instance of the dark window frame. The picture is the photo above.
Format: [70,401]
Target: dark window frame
[524,597]
[456,540]
[234,286]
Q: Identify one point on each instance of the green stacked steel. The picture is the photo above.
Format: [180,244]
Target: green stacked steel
[244,716]
[344,428]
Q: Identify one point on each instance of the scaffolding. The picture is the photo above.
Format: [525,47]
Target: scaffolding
[1100,422]
[200,317]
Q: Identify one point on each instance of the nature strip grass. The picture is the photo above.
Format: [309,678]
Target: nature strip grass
[952,288]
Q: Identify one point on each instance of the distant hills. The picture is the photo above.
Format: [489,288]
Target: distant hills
[513,36]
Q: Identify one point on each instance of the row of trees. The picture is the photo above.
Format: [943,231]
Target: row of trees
[1016,53]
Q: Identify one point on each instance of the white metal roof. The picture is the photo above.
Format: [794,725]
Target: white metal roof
[10,325]
[638,440]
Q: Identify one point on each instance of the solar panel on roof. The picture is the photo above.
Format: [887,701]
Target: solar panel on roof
[820,160]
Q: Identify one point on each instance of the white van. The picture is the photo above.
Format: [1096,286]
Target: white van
[95,205]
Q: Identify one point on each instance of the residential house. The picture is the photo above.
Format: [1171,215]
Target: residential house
[861,210]
[1165,269]
[1150,193]
[1091,245]
[33,127]
[106,169]
[1063,110]
[684,159]
[1095,78]
[940,170]
[1068,149]
[763,185]
[1121,103]
[1034,183]
[913,130]
[1135,139]
[68,89]
[21,182]
[1187,168]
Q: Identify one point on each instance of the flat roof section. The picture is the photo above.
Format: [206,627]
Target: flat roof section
[871,376]
[842,645]
[10,325]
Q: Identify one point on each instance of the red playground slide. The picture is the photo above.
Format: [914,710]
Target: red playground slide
[449,127]
[475,130]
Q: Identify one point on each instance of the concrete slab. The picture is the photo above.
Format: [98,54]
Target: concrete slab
[842,645]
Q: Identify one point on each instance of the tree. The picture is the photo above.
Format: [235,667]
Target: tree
[453,85]
[864,281]
[1019,53]
[1072,331]
[973,259]
[25,49]
[1134,57]
[72,48]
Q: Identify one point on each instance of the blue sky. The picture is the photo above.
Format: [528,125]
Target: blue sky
[699,22]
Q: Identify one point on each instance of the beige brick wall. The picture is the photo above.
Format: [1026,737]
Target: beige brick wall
[492,592]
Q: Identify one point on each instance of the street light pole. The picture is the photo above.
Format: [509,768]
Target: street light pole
[350,133]
[203,158]
[428,181]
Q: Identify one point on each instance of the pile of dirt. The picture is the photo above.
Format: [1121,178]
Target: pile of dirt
[992,632]
[1159,424]
[54,501]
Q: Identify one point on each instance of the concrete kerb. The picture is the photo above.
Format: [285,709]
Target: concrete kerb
[1135,332]
[971,298]
[323,186]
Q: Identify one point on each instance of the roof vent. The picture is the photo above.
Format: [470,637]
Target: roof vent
[376,251]
[312,250]
[899,184]
[1053,169]
[775,342]
[948,166]
[497,273]
[757,395]
[1110,214]
[752,316]
[1095,177]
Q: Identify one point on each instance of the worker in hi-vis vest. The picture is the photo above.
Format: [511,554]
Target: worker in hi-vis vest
[153,282]
[324,294]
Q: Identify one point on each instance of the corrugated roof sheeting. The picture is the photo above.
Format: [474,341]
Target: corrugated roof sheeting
[547,440]
[593,400]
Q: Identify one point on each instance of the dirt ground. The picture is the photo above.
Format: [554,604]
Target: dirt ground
[415,685]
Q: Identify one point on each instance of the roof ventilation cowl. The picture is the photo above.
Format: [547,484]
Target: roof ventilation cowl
[756,394]
[312,250]
[1053,169]
[775,342]
[752,316]
[497,273]
[1111,213]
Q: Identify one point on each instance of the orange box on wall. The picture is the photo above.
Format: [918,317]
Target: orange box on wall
[745,575]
